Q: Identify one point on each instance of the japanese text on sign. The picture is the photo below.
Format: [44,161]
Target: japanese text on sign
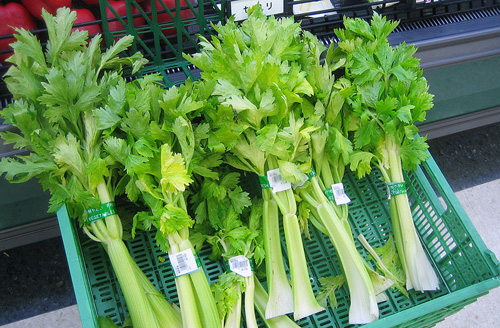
[270,7]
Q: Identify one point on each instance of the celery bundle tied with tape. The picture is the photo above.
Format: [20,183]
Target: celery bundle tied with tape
[389,96]
[57,91]
[258,78]
[161,150]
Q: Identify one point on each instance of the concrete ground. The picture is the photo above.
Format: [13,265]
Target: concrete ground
[469,160]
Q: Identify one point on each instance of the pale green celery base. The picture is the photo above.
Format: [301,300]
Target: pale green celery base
[187,303]
[207,309]
[250,319]
[140,310]
[260,301]
[167,316]
[305,303]
[280,292]
[233,317]
[363,308]
[109,231]
[185,291]
[421,276]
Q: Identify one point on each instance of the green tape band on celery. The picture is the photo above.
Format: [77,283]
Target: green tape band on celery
[264,182]
[396,188]
[311,174]
[103,211]
[329,194]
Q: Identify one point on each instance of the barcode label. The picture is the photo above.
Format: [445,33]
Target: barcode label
[276,182]
[275,178]
[339,194]
[183,262]
[240,265]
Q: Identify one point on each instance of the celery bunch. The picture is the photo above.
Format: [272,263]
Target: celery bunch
[57,93]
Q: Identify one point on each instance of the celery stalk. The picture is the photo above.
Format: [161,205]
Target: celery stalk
[208,309]
[280,292]
[109,231]
[137,303]
[185,291]
[260,300]
[202,294]
[250,319]
[164,311]
[419,271]
[233,318]
[363,308]
[305,303]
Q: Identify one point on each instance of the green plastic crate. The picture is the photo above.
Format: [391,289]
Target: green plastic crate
[466,268]
[163,34]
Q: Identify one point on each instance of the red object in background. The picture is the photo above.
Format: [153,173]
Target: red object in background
[120,7]
[13,15]
[84,16]
[96,2]
[165,18]
[35,6]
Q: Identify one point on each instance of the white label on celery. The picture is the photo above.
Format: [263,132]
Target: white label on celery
[240,265]
[276,182]
[239,8]
[183,262]
[339,194]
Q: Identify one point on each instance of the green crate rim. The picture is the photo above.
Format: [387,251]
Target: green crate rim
[78,271]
